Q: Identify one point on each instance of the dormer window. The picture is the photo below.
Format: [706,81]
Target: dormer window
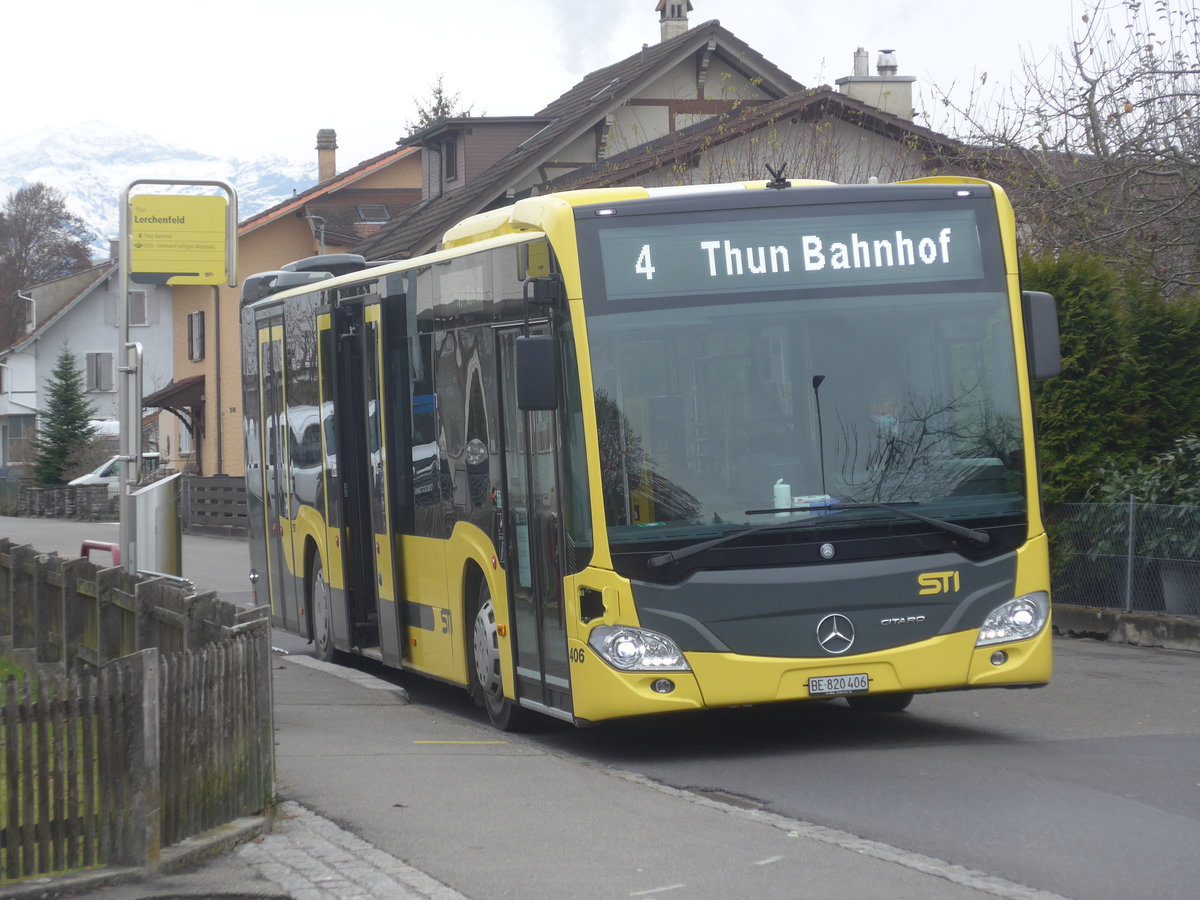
[450,159]
[372,213]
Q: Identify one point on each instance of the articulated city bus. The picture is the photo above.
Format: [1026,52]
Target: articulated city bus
[629,451]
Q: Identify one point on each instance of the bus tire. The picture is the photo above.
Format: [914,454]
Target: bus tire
[486,674]
[884,703]
[321,611]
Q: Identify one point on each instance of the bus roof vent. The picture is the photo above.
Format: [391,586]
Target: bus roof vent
[333,263]
[264,284]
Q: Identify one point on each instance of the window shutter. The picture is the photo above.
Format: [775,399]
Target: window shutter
[196,336]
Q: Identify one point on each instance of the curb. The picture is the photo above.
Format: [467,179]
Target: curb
[184,855]
[1137,628]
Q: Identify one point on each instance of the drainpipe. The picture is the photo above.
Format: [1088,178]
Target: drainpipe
[31,325]
[311,218]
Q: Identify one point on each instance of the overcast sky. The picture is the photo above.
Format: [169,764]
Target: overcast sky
[247,78]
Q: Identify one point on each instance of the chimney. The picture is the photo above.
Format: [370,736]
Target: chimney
[114,248]
[887,91]
[326,154]
[860,63]
[672,17]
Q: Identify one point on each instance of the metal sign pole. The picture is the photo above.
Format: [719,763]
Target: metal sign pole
[125,415]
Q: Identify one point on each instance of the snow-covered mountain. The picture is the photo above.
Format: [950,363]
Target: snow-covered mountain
[93,163]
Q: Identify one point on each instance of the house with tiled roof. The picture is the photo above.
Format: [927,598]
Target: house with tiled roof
[691,75]
[816,134]
[701,106]
[201,429]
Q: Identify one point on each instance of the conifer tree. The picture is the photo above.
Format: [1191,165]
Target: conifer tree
[437,107]
[64,433]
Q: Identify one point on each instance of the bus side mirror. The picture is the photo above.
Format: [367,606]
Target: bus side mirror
[1041,335]
[537,372]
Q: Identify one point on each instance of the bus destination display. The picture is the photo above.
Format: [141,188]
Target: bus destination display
[795,253]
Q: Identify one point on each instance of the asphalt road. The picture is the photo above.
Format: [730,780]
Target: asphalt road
[1089,788]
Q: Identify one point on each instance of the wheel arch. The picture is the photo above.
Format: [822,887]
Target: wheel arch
[310,553]
[473,578]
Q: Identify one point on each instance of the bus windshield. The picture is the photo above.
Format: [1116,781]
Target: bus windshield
[715,410]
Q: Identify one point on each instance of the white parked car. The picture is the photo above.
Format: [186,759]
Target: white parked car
[109,472]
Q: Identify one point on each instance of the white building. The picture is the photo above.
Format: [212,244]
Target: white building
[81,312]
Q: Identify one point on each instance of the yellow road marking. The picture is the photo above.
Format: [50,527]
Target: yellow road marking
[460,742]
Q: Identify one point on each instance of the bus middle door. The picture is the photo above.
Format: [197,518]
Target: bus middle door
[385,619]
[369,540]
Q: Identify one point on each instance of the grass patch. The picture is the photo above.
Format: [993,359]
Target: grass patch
[7,668]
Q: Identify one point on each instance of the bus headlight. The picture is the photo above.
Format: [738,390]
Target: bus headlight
[1015,620]
[636,649]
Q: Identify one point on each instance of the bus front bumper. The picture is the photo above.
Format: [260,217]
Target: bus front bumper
[942,663]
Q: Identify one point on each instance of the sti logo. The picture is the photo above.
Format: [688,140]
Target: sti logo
[938,582]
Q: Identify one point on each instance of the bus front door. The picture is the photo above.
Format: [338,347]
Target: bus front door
[276,477]
[533,547]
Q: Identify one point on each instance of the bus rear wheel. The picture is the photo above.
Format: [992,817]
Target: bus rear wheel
[322,614]
[489,680]
[880,702]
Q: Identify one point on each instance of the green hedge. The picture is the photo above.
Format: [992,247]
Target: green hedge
[1130,382]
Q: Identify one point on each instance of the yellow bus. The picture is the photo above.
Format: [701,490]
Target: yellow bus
[629,451]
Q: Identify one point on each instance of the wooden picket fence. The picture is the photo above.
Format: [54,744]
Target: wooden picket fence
[148,721]
[215,504]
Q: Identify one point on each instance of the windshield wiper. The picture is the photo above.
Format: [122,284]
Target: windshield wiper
[662,559]
[971,534]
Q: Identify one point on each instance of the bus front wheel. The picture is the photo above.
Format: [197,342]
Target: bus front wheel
[485,646]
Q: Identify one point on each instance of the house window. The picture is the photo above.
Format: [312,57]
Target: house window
[450,159]
[138,314]
[196,336]
[372,213]
[17,442]
[99,371]
[3,378]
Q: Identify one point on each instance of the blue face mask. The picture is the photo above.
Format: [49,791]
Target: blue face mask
[884,422]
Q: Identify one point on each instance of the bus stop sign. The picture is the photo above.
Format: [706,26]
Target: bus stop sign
[178,239]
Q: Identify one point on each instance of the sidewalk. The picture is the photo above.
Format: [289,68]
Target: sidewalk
[304,856]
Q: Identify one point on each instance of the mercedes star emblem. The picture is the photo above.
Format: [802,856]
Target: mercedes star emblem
[835,633]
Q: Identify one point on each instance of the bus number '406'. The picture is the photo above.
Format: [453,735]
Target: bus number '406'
[576,654]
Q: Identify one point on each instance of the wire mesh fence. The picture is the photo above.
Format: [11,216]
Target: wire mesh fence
[1140,557]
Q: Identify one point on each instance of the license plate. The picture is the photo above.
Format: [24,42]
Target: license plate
[836,685]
